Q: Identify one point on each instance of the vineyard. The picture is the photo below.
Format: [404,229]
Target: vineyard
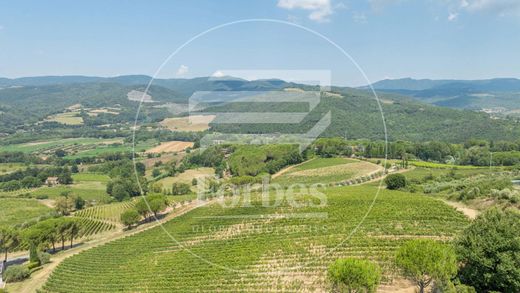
[260,248]
[91,227]
[109,212]
[326,170]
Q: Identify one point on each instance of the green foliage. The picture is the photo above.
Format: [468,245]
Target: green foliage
[332,147]
[424,260]
[9,240]
[354,275]
[16,273]
[180,188]
[252,160]
[395,181]
[15,211]
[44,257]
[489,250]
[130,217]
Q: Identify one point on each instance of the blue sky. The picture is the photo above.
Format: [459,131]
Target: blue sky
[463,39]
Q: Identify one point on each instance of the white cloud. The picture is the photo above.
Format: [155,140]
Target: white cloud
[218,73]
[183,69]
[500,7]
[320,10]
[359,17]
[452,16]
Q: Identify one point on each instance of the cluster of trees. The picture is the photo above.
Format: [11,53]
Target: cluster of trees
[124,183]
[43,235]
[19,157]
[146,207]
[473,152]
[485,258]
[251,160]
[331,147]
[34,177]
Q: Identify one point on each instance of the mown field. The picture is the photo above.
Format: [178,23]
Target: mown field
[88,186]
[325,170]
[186,177]
[248,249]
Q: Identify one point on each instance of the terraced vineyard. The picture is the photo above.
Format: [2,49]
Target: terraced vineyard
[326,170]
[109,212]
[90,227]
[258,248]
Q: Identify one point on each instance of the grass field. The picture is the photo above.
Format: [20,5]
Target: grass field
[192,123]
[91,191]
[14,211]
[249,251]
[6,168]
[86,177]
[325,170]
[187,176]
[69,118]
[42,146]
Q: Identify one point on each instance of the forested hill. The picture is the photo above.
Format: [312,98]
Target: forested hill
[498,96]
[355,113]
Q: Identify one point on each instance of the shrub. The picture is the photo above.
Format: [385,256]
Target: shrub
[33,265]
[179,188]
[354,275]
[16,273]
[395,181]
[44,257]
[42,196]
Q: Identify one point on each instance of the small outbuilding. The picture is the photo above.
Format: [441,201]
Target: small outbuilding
[51,181]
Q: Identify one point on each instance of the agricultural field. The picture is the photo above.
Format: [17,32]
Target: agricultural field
[90,192]
[187,176]
[325,170]
[420,173]
[191,123]
[49,146]
[440,165]
[170,147]
[68,118]
[91,227]
[107,213]
[258,248]
[16,211]
[6,168]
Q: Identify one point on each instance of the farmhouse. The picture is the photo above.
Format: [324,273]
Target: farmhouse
[50,181]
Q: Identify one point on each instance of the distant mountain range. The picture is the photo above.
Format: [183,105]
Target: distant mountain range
[180,85]
[354,112]
[495,96]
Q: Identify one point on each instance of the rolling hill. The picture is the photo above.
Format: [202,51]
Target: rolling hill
[499,96]
[354,112]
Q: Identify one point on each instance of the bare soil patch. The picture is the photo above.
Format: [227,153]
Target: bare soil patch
[170,147]
[192,123]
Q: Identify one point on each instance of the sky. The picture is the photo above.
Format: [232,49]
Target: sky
[437,39]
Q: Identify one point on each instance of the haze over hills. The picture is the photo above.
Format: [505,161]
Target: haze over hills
[499,96]
[355,113]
